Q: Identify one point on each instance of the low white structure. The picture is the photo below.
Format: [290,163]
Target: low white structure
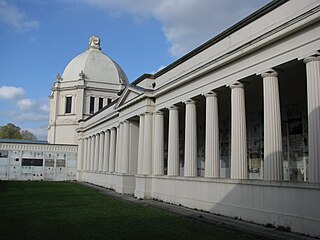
[23,160]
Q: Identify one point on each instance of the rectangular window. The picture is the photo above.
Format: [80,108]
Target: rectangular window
[3,153]
[68,104]
[100,103]
[31,162]
[91,105]
[109,100]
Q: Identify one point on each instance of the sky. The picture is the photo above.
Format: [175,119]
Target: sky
[38,38]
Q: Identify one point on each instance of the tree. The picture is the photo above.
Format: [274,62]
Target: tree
[10,131]
[28,135]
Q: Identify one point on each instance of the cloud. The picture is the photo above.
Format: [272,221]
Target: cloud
[10,92]
[185,24]
[14,17]
[26,104]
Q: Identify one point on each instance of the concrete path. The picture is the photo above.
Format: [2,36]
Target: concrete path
[261,232]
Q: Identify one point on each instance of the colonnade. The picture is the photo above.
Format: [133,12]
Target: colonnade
[109,150]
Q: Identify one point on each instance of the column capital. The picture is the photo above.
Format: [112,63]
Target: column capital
[311,58]
[269,73]
[236,85]
[158,112]
[126,121]
[173,107]
[148,113]
[189,101]
[102,132]
[210,94]
[141,115]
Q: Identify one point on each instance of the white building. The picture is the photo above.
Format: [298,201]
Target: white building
[89,82]
[233,127]
[28,160]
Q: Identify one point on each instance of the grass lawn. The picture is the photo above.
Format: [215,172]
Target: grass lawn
[66,210]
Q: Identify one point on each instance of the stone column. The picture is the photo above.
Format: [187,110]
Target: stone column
[158,144]
[190,145]
[239,164]
[96,152]
[117,150]
[313,92]
[147,150]
[141,145]
[125,147]
[80,154]
[89,154]
[120,162]
[173,142]
[101,152]
[85,159]
[112,156]
[273,167]
[93,138]
[212,151]
[106,151]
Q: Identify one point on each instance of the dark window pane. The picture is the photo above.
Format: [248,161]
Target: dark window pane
[31,162]
[91,105]
[100,103]
[68,104]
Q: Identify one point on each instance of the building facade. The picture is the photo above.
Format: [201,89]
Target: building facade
[89,82]
[26,160]
[233,127]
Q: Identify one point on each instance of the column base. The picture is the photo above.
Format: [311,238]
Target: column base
[143,186]
[125,183]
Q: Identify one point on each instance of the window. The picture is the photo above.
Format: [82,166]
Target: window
[31,162]
[68,104]
[91,105]
[109,100]
[100,103]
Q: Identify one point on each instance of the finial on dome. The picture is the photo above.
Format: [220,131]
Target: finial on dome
[94,42]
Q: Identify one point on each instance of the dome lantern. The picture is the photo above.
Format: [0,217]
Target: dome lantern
[94,42]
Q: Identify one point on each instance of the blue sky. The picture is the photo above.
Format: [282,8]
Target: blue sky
[40,37]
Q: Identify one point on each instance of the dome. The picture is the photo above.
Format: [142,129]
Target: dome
[93,65]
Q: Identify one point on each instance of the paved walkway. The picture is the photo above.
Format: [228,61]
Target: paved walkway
[208,218]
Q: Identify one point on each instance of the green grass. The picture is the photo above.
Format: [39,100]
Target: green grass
[64,210]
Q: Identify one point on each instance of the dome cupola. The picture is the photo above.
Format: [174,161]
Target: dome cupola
[94,65]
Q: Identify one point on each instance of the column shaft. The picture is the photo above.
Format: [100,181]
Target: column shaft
[85,159]
[313,91]
[101,150]
[116,169]
[173,142]
[141,145]
[158,144]
[147,151]
[120,162]
[96,152]
[93,138]
[212,152]
[112,156]
[125,147]
[239,165]
[190,157]
[89,154]
[80,155]
[273,167]
[106,151]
